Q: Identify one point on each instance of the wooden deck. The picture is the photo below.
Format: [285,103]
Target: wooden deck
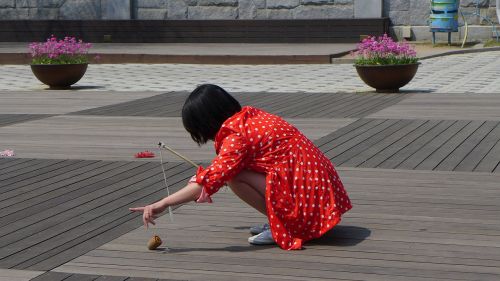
[445,145]
[294,105]
[56,210]
[421,169]
[405,225]
[60,276]
[9,119]
[120,137]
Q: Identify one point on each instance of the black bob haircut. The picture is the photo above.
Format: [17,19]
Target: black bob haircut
[204,111]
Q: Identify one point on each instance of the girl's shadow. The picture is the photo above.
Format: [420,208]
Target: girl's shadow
[343,236]
[340,235]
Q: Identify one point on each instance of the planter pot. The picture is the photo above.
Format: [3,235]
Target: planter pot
[59,76]
[387,78]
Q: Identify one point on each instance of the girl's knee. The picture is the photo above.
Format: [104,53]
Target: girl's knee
[248,178]
[235,180]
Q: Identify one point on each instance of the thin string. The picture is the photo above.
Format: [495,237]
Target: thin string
[163,145]
[166,184]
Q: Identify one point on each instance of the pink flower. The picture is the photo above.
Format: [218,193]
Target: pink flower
[384,47]
[7,153]
[67,50]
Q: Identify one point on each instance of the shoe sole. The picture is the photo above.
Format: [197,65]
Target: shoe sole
[261,243]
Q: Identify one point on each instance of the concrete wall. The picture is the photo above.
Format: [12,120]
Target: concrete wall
[401,12]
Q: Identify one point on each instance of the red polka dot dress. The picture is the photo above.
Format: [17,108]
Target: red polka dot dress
[304,195]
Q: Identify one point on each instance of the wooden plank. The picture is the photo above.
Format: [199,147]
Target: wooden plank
[283,104]
[445,106]
[360,147]
[370,104]
[497,169]
[32,171]
[41,174]
[18,275]
[6,163]
[114,138]
[9,119]
[331,108]
[47,175]
[326,139]
[112,278]
[372,151]
[24,167]
[317,128]
[345,134]
[141,279]
[368,249]
[348,109]
[326,102]
[61,209]
[82,277]
[388,157]
[341,147]
[306,103]
[431,162]
[182,274]
[472,160]
[429,148]
[106,138]
[45,195]
[385,104]
[490,163]
[127,105]
[366,100]
[56,102]
[29,252]
[317,270]
[52,276]
[454,158]
[71,185]
[256,99]
[271,102]
[82,244]
[338,107]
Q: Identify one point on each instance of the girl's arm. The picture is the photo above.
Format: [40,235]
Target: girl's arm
[190,192]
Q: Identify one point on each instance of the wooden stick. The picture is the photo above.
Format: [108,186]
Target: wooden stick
[163,145]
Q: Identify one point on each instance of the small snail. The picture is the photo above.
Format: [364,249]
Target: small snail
[154,242]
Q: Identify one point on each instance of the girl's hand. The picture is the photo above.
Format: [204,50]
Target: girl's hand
[149,213]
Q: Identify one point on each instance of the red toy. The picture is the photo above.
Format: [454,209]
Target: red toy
[145,154]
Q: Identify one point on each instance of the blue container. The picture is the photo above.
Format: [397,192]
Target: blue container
[444,6]
[444,22]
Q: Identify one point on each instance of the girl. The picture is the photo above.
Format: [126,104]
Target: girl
[267,163]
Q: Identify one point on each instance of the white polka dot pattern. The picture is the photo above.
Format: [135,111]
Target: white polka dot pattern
[304,195]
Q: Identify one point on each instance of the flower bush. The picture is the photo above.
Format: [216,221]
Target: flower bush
[66,51]
[384,51]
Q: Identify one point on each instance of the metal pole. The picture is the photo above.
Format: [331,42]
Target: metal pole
[133,9]
[498,10]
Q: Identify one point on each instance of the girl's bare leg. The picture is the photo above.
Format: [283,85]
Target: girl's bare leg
[251,188]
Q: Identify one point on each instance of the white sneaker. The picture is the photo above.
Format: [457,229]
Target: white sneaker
[259,229]
[264,238]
